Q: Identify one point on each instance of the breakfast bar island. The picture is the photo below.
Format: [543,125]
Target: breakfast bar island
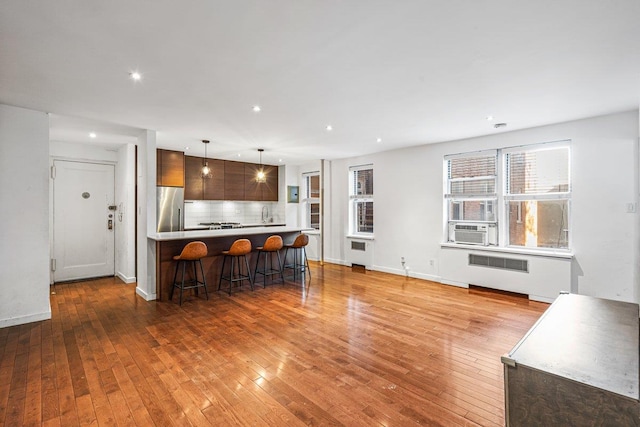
[169,244]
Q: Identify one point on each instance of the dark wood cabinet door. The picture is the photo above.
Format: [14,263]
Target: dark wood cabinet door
[170,166]
[214,186]
[252,188]
[233,180]
[270,188]
[193,181]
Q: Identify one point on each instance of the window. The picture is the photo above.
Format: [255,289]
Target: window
[531,199]
[311,200]
[361,198]
[471,187]
[537,193]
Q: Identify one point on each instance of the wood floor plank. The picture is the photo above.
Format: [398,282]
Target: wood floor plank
[352,349]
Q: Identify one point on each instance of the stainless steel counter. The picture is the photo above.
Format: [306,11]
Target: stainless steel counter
[578,365]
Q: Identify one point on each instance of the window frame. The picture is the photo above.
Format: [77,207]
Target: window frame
[309,201]
[483,199]
[508,197]
[502,198]
[357,199]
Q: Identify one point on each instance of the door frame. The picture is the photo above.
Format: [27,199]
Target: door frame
[52,160]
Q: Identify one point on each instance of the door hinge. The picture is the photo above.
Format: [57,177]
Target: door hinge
[53,264]
[53,172]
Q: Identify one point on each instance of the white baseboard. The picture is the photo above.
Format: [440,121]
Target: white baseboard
[423,276]
[125,279]
[337,261]
[146,296]
[452,283]
[21,320]
[412,274]
[541,298]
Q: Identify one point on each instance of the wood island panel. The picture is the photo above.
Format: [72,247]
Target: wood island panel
[166,250]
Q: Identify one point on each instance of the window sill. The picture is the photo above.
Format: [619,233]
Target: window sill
[515,251]
[360,236]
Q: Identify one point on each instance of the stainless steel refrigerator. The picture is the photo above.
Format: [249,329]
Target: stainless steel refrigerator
[170,209]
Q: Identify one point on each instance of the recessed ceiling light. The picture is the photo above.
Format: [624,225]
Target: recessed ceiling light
[256,109]
[186,148]
[379,140]
[489,118]
[280,160]
[92,135]
[135,76]
[329,128]
[239,155]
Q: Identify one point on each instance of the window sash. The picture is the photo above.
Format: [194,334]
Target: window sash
[363,220]
[472,175]
[362,175]
[538,171]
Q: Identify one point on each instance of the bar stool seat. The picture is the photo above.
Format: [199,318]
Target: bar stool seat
[299,247]
[272,245]
[239,248]
[193,252]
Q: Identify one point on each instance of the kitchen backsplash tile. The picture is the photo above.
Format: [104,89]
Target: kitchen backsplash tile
[197,211]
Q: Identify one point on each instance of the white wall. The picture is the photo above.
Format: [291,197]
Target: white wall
[146,215]
[24,216]
[85,152]
[291,211]
[125,215]
[408,214]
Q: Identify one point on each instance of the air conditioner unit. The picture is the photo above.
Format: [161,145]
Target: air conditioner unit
[469,233]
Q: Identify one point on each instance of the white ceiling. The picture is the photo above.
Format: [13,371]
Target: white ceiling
[409,72]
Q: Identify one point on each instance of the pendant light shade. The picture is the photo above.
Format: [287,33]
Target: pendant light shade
[206,170]
[260,176]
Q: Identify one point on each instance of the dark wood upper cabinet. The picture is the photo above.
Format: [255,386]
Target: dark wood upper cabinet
[233,180]
[229,181]
[261,191]
[214,185]
[270,187]
[252,188]
[198,188]
[193,182]
[170,168]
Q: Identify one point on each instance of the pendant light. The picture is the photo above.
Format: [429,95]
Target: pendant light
[206,170]
[260,176]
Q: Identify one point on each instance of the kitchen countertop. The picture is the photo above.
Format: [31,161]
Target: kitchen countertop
[203,234]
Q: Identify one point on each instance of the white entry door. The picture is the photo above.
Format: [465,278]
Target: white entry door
[83,234]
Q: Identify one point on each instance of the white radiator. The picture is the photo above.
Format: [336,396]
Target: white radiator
[540,277]
[359,252]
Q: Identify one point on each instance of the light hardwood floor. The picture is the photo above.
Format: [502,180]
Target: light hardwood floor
[355,349]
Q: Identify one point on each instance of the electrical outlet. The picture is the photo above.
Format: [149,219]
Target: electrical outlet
[431,262]
[631,207]
[402,260]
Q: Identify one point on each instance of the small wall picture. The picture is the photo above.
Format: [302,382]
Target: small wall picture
[292,193]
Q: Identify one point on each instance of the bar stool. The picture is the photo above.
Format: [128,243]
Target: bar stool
[239,248]
[271,245]
[193,251]
[298,246]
